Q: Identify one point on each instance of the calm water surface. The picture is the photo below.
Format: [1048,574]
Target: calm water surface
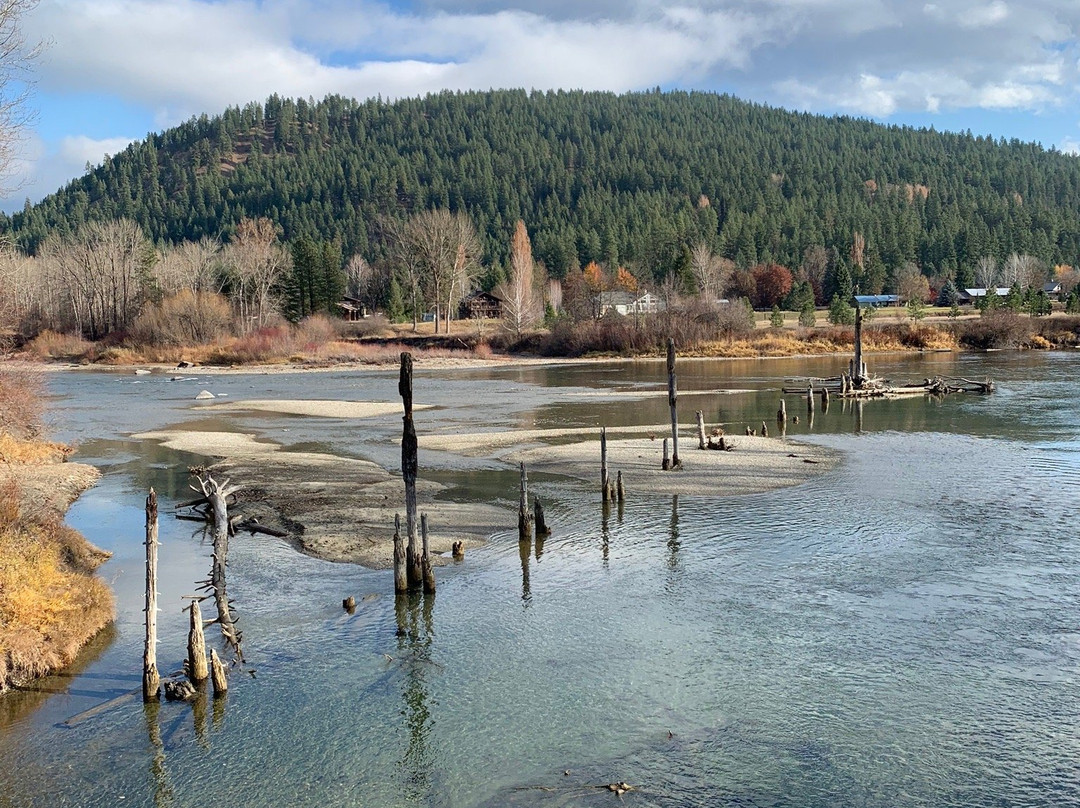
[902,632]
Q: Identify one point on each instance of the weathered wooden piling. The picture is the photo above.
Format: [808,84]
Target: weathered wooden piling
[781,414]
[672,401]
[196,646]
[425,559]
[824,398]
[414,573]
[538,519]
[603,463]
[701,443]
[858,373]
[151,680]
[524,516]
[666,464]
[764,430]
[217,495]
[218,674]
[401,577]
[810,398]
[621,492]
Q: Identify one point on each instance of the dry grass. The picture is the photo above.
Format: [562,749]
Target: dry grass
[50,601]
[69,347]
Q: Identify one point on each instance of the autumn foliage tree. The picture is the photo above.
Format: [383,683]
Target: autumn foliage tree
[772,283]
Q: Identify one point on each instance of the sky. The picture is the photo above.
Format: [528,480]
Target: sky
[113,71]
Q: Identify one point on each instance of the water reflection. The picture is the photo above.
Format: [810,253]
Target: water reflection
[524,551]
[673,534]
[415,639]
[159,772]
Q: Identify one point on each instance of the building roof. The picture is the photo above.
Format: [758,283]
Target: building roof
[875,300]
[1001,291]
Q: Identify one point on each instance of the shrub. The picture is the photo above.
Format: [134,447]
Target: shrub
[51,345]
[185,318]
[997,328]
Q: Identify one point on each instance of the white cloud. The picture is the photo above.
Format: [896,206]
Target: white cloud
[1069,145]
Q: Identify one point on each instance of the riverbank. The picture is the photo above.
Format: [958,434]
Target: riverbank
[51,603]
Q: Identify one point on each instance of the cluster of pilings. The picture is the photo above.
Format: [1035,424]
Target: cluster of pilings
[197,668]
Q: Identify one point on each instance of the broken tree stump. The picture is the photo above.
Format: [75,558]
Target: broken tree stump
[414,573]
[538,519]
[701,444]
[425,558]
[764,430]
[603,463]
[781,414]
[458,550]
[151,680]
[621,492]
[810,398]
[196,646]
[218,674]
[672,401]
[666,464]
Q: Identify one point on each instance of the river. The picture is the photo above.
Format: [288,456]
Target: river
[903,631]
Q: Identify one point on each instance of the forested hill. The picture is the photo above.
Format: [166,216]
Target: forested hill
[627,179]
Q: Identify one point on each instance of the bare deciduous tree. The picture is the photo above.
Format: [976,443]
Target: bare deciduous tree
[711,272]
[15,58]
[1023,271]
[439,253]
[195,266]
[986,272]
[522,307]
[256,264]
[911,284]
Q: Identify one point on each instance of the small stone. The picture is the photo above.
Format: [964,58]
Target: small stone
[205,395]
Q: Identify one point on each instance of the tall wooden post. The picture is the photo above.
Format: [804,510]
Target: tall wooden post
[428,572]
[151,681]
[401,579]
[196,645]
[539,521]
[603,463]
[701,430]
[672,400]
[666,464]
[781,414]
[524,515]
[810,398]
[621,492]
[858,373]
[408,471]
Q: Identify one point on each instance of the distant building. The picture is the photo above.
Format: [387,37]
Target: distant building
[974,295]
[627,303]
[873,301]
[351,309]
[1052,290]
[481,305]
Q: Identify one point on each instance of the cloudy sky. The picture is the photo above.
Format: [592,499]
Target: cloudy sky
[115,70]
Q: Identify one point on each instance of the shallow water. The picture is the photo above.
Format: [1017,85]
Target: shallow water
[901,632]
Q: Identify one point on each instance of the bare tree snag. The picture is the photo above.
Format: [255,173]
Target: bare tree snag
[408,471]
[810,398]
[425,559]
[538,518]
[524,516]
[701,430]
[672,400]
[217,494]
[151,681]
[401,580]
[621,492]
[603,463]
[196,645]
[217,671]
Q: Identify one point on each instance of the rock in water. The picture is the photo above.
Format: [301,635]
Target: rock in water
[179,690]
[205,395]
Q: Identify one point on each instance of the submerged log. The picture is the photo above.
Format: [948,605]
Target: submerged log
[151,680]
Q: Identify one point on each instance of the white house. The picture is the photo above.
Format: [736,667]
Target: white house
[627,303]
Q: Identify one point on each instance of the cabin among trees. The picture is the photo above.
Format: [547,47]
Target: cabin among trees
[482,306]
[627,303]
[973,296]
[351,309]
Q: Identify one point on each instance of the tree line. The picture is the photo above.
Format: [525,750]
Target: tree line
[641,181]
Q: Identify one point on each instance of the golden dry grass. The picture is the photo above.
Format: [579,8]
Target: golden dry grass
[50,601]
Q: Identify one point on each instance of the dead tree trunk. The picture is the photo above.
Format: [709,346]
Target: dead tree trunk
[619,486]
[217,495]
[401,580]
[603,463]
[672,400]
[151,681]
[414,572]
[781,414]
[810,398]
[425,559]
[701,430]
[666,464]
[196,645]
[524,516]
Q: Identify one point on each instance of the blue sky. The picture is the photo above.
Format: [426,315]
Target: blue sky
[114,70]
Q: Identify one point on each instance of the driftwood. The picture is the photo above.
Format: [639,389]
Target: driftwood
[216,494]
[151,680]
[218,674]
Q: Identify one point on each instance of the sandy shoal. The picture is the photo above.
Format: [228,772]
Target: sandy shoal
[322,408]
